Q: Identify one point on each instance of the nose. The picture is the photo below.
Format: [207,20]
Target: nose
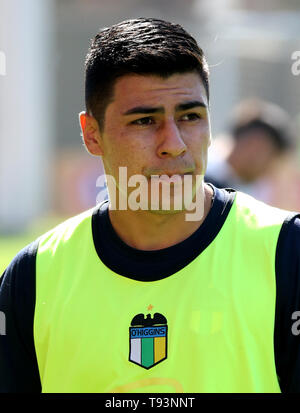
[171,142]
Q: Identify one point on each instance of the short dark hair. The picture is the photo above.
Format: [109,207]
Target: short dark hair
[256,114]
[141,46]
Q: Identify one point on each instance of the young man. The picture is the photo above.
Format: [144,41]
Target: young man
[198,296]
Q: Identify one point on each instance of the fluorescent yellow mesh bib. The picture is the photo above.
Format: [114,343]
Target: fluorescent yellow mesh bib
[215,323]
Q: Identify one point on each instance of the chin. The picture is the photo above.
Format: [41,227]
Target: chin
[165,211]
[170,211]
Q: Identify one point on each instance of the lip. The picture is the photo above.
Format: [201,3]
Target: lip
[168,177]
[170,174]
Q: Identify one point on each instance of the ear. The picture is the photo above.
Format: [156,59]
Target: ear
[91,134]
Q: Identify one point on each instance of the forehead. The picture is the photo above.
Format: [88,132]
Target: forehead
[152,90]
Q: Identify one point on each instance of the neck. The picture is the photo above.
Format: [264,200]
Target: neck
[145,230]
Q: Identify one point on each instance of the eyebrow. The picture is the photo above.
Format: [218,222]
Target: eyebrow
[180,107]
[190,105]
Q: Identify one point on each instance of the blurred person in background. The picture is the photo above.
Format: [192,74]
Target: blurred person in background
[260,141]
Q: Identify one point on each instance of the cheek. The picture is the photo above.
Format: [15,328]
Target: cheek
[134,154]
[200,142]
[199,151]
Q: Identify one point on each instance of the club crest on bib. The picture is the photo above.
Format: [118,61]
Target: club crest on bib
[148,340]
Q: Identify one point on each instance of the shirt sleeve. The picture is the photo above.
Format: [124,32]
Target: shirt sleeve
[18,363]
[287,328]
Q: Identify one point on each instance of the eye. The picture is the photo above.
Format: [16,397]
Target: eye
[148,120]
[190,117]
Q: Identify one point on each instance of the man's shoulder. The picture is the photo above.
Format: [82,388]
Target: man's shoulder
[24,256]
[19,276]
[64,230]
[259,213]
[289,238]
[24,260]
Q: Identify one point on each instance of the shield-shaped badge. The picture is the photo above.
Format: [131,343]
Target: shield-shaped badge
[148,340]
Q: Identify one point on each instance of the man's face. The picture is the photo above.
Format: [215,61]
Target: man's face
[157,126]
[257,152]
